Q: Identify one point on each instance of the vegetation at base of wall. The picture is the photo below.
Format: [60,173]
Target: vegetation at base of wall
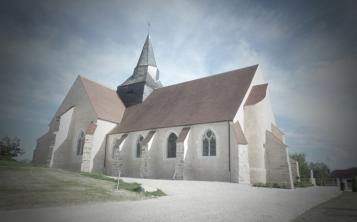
[134,187]
[303,184]
[271,185]
[354,184]
[157,193]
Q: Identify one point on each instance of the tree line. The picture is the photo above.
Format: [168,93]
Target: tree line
[321,170]
[10,148]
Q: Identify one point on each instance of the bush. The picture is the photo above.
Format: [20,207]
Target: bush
[354,184]
[303,184]
[134,187]
[271,185]
[10,148]
[157,193]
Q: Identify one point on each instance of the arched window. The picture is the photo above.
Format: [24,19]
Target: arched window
[209,144]
[115,149]
[80,143]
[138,146]
[171,146]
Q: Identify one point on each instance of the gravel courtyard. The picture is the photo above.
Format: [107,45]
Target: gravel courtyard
[190,201]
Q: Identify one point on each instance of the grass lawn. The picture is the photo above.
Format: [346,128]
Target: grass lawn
[26,186]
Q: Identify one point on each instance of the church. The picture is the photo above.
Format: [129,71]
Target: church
[217,128]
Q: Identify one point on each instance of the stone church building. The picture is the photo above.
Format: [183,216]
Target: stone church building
[217,128]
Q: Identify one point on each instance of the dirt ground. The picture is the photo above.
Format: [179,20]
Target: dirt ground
[342,208]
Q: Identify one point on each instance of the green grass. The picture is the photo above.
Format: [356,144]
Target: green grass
[26,186]
[134,187]
[157,193]
[98,176]
[271,185]
[303,184]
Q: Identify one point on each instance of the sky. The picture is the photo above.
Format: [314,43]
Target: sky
[306,51]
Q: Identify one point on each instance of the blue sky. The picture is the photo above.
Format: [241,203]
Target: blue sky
[305,49]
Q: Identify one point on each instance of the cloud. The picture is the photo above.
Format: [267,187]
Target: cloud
[301,49]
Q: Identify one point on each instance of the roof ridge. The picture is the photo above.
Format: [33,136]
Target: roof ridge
[211,76]
[99,84]
[210,99]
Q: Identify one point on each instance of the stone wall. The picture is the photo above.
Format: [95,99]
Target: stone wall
[196,166]
[87,154]
[65,155]
[295,170]
[41,154]
[277,161]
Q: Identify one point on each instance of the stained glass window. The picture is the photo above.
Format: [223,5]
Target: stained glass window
[80,143]
[171,146]
[115,148]
[209,144]
[138,146]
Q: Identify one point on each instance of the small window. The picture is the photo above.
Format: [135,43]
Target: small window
[80,143]
[115,149]
[138,146]
[171,146]
[209,144]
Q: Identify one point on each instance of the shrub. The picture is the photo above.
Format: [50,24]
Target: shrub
[270,185]
[157,193]
[303,184]
[354,184]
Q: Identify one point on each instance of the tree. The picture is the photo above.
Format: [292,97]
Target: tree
[321,172]
[303,165]
[10,147]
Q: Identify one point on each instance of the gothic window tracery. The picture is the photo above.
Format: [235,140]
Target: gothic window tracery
[209,144]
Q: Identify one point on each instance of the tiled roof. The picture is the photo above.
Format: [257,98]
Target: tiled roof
[105,101]
[211,99]
[183,134]
[91,128]
[257,94]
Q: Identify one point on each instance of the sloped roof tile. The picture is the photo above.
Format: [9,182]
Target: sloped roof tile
[105,101]
[256,95]
[211,99]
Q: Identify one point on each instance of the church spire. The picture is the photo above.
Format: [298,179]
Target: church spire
[144,79]
[146,69]
[147,57]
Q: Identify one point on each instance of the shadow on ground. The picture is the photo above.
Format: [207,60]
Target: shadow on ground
[342,208]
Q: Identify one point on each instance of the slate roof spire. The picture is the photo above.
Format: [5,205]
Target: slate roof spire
[146,69]
[144,80]
[147,56]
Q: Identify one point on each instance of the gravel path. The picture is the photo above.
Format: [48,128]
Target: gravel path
[190,201]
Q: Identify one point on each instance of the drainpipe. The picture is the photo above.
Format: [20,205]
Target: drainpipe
[229,151]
